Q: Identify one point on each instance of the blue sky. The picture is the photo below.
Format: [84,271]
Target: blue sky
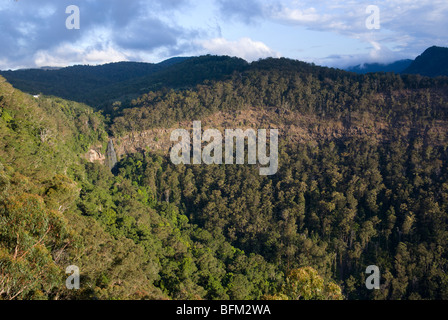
[33,33]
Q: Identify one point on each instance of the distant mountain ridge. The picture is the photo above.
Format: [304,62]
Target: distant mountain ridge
[96,85]
[75,80]
[431,63]
[103,85]
[397,67]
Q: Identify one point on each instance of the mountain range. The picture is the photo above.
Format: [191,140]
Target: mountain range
[396,67]
[100,86]
[97,85]
[431,63]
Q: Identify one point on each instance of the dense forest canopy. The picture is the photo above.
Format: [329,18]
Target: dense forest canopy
[98,85]
[362,181]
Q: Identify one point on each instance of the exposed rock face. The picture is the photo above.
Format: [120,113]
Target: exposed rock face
[149,140]
[295,128]
[94,155]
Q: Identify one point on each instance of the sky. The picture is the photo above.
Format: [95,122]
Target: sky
[335,33]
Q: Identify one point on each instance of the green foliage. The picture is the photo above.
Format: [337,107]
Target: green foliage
[306,284]
[284,86]
[106,85]
[32,241]
[372,191]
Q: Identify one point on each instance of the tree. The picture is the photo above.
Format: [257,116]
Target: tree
[306,284]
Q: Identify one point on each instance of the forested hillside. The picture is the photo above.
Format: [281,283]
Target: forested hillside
[431,63]
[98,85]
[56,210]
[362,181]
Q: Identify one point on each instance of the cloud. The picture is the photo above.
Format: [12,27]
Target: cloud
[410,25]
[407,27]
[66,52]
[245,48]
[147,33]
[247,11]
[33,33]
[306,16]
[377,54]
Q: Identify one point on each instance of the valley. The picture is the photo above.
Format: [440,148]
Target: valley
[361,181]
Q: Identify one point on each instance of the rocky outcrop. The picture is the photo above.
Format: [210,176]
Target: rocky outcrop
[93,155]
[293,128]
[149,140]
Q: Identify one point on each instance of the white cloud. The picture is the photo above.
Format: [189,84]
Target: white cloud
[407,27]
[299,16]
[96,47]
[245,48]
[33,33]
[59,57]
[378,54]
[68,52]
